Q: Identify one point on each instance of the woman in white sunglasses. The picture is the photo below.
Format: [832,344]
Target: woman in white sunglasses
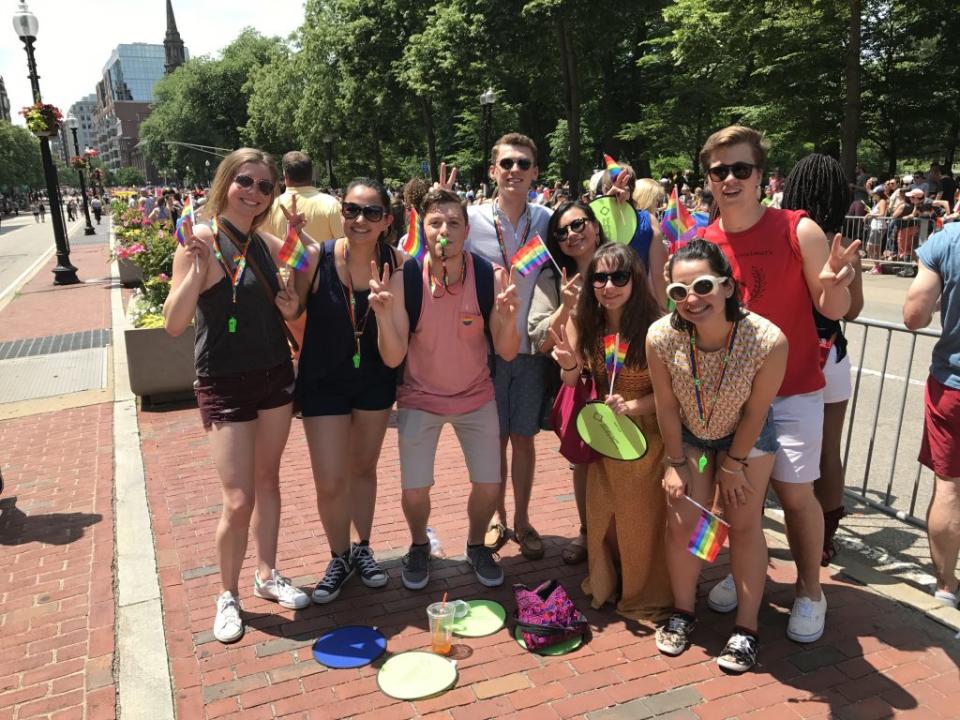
[715,369]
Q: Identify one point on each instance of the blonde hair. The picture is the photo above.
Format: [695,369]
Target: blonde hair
[735,135]
[647,194]
[226,172]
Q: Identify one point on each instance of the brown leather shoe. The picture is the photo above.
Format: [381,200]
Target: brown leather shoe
[531,546]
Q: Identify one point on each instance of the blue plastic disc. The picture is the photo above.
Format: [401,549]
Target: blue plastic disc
[349,647]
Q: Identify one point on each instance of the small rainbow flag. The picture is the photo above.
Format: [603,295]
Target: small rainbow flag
[613,167]
[677,226]
[414,244]
[614,352]
[187,212]
[292,251]
[530,256]
[708,538]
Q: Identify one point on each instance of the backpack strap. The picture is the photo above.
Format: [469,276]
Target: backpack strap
[483,277]
[413,291]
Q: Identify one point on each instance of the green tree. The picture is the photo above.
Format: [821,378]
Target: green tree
[19,158]
[128,176]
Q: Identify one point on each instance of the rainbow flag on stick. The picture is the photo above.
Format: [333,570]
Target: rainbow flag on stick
[414,244]
[532,255]
[708,538]
[186,212]
[292,251]
[612,166]
[677,226]
[614,355]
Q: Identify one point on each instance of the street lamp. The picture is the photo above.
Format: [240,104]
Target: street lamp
[206,173]
[487,99]
[73,124]
[328,141]
[26,25]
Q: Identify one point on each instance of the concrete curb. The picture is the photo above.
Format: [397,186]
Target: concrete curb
[143,679]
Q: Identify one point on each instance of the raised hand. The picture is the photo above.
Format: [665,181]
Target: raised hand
[569,290]
[296,220]
[508,300]
[620,188]
[444,182]
[838,269]
[381,299]
[287,299]
[196,249]
[562,352]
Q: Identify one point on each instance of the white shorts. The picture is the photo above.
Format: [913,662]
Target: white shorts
[837,374]
[798,420]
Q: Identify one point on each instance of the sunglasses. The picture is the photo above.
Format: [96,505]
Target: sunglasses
[618,277]
[521,162]
[703,285]
[373,213]
[576,226]
[264,186]
[740,170]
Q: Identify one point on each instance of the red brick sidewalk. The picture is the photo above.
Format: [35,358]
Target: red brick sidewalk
[876,659]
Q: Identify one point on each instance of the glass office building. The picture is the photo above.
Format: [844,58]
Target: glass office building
[132,71]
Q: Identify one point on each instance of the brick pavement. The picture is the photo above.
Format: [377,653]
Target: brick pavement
[876,659]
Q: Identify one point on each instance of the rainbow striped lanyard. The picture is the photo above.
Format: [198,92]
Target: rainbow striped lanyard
[240,260]
[697,381]
[351,302]
[499,228]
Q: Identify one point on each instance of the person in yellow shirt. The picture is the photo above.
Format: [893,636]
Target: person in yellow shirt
[321,210]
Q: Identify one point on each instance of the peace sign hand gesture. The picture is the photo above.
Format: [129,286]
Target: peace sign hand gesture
[569,290]
[445,183]
[381,299]
[562,352]
[287,299]
[196,249]
[620,188]
[296,220]
[838,270]
[508,300]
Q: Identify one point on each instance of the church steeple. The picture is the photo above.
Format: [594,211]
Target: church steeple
[172,44]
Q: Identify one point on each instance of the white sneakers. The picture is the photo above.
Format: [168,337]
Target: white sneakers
[228,627]
[807,618]
[946,598]
[279,589]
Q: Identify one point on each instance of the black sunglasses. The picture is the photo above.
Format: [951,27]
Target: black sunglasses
[572,226]
[373,213]
[264,186]
[521,162]
[618,277]
[740,170]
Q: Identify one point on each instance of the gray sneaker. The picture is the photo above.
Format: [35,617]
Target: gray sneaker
[415,571]
[485,565]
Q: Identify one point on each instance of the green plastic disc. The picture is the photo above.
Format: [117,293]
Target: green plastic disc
[561,648]
[611,435]
[484,618]
[415,675]
[618,219]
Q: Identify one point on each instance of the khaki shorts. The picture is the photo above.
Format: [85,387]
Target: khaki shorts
[418,433]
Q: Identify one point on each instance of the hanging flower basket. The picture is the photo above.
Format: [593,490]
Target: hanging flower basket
[43,120]
[80,163]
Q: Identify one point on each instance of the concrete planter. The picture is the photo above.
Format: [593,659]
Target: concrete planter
[130,274]
[160,366]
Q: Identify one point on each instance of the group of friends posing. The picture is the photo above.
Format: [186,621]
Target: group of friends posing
[743,384]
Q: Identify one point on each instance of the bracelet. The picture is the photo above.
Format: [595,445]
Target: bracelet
[742,461]
[674,462]
[729,472]
[575,367]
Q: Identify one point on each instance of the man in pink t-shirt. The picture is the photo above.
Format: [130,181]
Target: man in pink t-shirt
[446,378]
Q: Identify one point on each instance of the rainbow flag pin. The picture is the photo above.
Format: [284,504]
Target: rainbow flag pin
[708,538]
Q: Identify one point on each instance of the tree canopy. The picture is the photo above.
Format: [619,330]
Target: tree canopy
[19,158]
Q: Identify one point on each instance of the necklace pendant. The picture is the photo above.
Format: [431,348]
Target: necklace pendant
[701,463]
[356,360]
[232,325]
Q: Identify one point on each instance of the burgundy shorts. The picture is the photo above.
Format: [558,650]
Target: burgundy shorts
[237,398]
[940,449]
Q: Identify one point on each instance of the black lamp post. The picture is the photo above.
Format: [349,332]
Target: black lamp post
[206,173]
[25,24]
[487,99]
[328,141]
[73,124]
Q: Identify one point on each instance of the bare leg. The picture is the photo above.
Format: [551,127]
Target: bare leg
[233,456]
[748,548]
[943,528]
[367,430]
[328,438]
[502,496]
[416,509]
[682,517]
[273,428]
[829,486]
[480,508]
[804,520]
[522,466]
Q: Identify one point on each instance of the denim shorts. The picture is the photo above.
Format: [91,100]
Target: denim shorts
[766,442]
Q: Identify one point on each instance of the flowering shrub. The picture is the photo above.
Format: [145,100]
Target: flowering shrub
[149,246]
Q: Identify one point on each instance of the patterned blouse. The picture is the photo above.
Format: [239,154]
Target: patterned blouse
[754,340]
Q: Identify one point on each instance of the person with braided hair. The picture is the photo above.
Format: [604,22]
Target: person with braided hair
[818,185]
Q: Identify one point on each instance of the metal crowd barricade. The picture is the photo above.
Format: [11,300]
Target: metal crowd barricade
[882,434]
[887,240]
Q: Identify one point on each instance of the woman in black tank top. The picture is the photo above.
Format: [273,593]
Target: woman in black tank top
[344,390]
[225,275]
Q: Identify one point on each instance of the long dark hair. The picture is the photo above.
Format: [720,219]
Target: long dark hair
[639,312]
[384,200]
[818,185]
[698,249]
[553,244]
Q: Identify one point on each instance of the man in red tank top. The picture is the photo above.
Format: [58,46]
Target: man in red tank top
[784,263]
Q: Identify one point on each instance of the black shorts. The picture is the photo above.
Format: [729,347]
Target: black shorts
[237,398]
[341,395]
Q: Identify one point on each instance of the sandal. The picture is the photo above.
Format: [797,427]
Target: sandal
[497,536]
[531,546]
[575,552]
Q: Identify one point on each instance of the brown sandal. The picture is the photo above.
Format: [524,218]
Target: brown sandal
[531,546]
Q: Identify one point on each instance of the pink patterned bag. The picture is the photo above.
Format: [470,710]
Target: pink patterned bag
[547,616]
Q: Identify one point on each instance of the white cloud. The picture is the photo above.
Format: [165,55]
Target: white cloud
[75,39]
